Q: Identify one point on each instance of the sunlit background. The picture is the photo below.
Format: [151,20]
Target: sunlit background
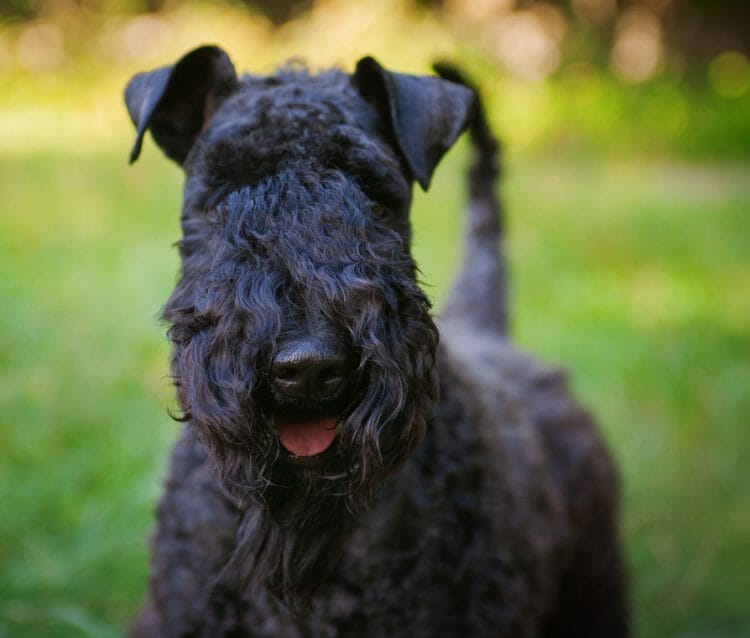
[626,128]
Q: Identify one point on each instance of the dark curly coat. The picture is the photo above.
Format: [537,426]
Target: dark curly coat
[488,512]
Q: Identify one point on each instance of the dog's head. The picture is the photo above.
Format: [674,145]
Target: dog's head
[303,348]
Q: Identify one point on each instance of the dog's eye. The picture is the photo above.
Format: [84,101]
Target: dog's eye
[380,212]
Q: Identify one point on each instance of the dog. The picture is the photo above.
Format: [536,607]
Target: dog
[346,469]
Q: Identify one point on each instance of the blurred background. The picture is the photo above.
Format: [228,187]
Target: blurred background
[626,128]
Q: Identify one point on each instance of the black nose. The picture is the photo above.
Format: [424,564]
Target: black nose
[309,369]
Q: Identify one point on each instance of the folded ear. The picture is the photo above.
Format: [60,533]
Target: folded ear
[424,115]
[176,102]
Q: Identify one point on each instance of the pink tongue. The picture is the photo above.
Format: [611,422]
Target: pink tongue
[307,438]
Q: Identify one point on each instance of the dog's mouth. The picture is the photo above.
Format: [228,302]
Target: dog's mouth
[309,390]
[306,436]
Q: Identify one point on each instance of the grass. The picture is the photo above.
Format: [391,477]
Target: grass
[633,275]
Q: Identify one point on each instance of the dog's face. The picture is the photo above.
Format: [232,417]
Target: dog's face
[303,348]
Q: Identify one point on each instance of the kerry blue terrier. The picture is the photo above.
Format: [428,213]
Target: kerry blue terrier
[340,472]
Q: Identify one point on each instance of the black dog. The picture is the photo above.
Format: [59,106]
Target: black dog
[320,487]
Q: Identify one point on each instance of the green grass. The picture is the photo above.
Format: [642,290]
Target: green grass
[633,275]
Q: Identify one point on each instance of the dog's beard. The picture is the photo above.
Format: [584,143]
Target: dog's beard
[296,516]
[297,513]
[292,540]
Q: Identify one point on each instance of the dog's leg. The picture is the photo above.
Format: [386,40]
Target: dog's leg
[592,600]
[592,593]
[479,291]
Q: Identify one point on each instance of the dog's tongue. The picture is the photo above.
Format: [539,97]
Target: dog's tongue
[307,438]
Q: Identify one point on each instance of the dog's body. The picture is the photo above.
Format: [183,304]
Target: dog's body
[320,488]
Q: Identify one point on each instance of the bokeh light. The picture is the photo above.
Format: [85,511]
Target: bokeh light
[729,74]
[637,52]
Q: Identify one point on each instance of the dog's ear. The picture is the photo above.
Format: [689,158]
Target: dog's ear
[177,101]
[423,115]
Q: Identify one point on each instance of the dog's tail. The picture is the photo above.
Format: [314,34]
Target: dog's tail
[479,292]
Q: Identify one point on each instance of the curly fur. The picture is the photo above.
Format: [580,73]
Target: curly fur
[488,512]
[285,259]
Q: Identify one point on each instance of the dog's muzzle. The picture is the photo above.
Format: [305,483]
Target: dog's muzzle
[308,380]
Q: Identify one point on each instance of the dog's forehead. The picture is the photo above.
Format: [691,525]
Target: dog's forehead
[289,97]
[298,117]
